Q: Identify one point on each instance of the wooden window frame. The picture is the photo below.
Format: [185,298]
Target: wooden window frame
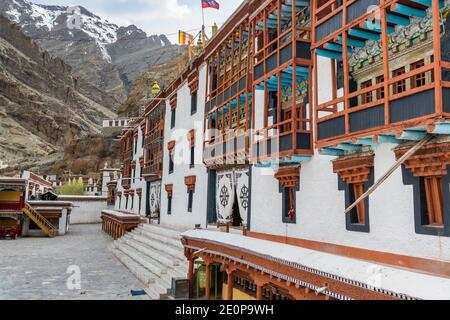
[368,96]
[399,86]
[420,78]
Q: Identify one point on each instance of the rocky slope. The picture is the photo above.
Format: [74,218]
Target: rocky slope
[108,56]
[43,106]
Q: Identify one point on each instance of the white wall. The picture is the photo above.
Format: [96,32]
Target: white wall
[180,216]
[86,209]
[320,210]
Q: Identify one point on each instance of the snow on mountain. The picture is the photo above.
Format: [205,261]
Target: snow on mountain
[46,19]
[108,56]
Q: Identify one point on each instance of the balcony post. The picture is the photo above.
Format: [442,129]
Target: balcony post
[437,54]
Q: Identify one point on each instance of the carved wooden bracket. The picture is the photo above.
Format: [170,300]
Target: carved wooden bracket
[430,160]
[173,101]
[193,81]
[354,170]
[169,189]
[171,146]
[288,177]
[191,137]
[190,183]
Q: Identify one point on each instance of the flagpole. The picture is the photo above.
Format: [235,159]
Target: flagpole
[203,25]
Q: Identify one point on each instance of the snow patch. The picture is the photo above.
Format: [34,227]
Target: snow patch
[14,15]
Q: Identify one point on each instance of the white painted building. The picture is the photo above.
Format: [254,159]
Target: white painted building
[184,179]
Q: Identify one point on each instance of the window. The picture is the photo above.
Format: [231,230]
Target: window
[399,86]
[380,91]
[135,145]
[433,201]
[172,118]
[171,164]
[418,80]
[169,205]
[289,213]
[193,102]
[190,200]
[126,203]
[358,214]
[366,97]
[132,202]
[192,164]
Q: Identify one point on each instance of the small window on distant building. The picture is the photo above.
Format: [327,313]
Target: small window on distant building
[418,80]
[194,103]
[172,118]
[399,86]
[169,205]
[192,164]
[171,164]
[190,200]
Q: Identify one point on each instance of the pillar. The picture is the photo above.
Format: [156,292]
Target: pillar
[230,285]
[208,281]
[259,292]
[191,277]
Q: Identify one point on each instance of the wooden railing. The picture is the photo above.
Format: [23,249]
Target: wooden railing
[116,224]
[10,206]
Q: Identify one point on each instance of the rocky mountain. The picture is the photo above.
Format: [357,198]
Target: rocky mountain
[44,107]
[106,55]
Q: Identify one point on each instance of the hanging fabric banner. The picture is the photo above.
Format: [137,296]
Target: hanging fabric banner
[225,190]
[242,179]
[154,197]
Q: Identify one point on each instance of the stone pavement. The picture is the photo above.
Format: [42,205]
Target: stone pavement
[37,268]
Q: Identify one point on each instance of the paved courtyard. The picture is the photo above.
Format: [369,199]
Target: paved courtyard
[40,268]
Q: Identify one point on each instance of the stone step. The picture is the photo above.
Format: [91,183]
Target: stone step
[156,237]
[164,278]
[141,273]
[142,259]
[153,254]
[157,229]
[163,249]
[156,291]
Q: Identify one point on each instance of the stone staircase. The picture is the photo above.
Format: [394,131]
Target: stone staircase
[154,255]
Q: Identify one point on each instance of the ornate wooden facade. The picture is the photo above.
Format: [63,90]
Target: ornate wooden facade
[154,142]
[390,79]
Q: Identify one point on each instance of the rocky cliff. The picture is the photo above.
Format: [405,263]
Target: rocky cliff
[43,105]
[106,55]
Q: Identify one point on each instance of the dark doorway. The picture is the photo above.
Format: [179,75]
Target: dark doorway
[236,220]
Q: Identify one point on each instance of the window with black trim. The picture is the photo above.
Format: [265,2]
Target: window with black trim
[289,212]
[169,204]
[171,164]
[358,214]
[432,201]
[192,164]
[194,102]
[190,200]
[172,118]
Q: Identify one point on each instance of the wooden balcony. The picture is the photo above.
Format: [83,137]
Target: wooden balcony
[399,91]
[152,170]
[227,151]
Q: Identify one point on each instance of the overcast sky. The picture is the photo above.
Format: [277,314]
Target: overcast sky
[155,16]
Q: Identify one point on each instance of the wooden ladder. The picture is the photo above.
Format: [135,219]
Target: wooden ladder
[45,225]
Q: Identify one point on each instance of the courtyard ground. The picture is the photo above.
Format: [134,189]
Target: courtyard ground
[41,268]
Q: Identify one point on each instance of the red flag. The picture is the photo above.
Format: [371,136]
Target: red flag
[210,4]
